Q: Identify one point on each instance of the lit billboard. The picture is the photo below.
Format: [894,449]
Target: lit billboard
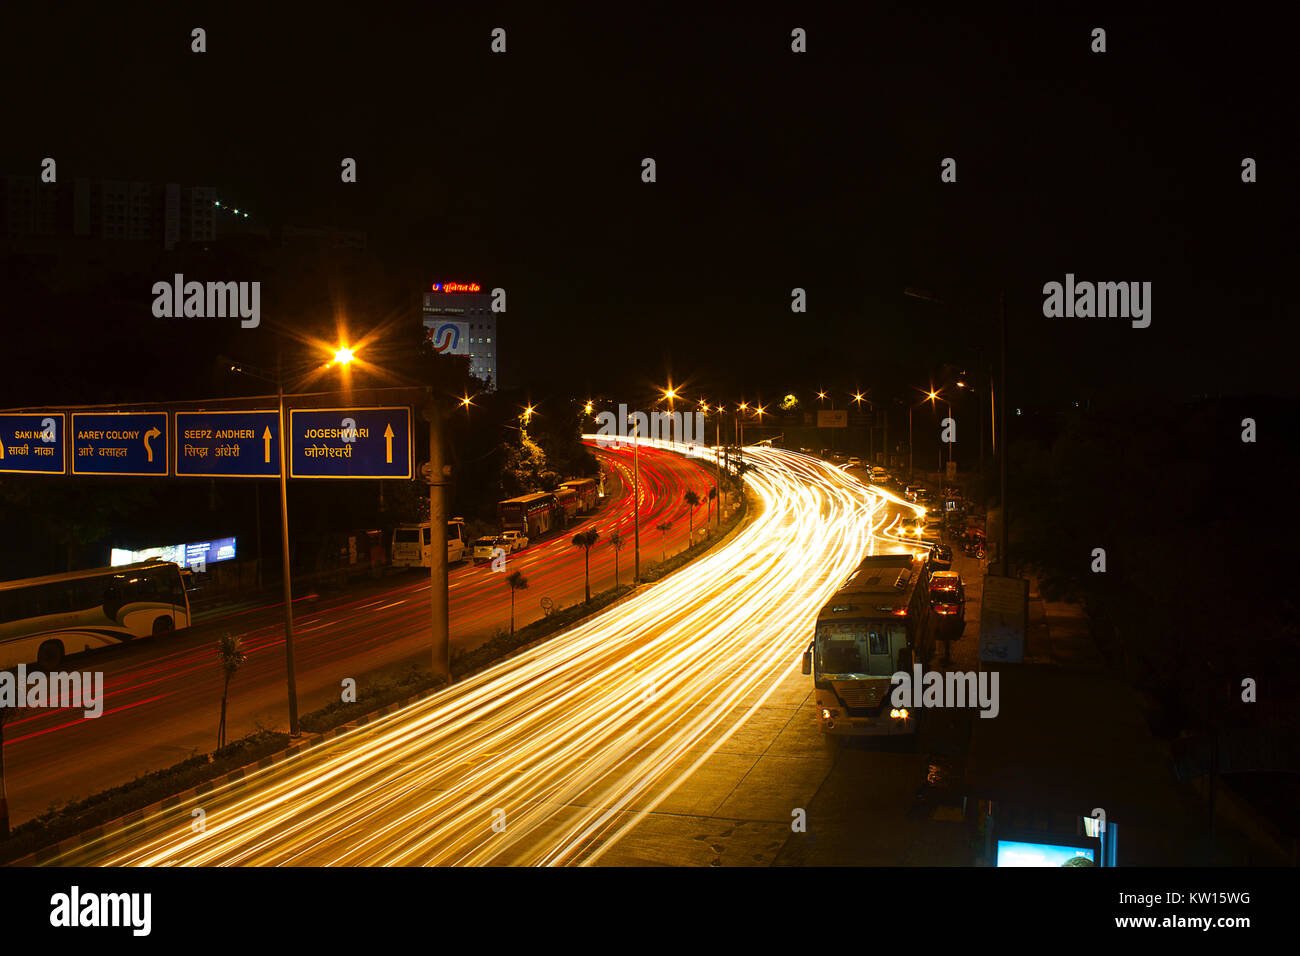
[200,553]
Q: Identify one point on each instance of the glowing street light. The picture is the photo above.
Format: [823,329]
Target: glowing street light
[343,355]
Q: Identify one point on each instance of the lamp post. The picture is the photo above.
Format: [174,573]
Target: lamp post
[284,555]
[342,356]
[636,503]
[438,603]
[670,393]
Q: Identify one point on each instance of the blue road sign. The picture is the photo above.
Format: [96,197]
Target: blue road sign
[33,444]
[350,442]
[243,444]
[119,443]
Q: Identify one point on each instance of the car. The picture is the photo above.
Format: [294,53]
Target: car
[948,600]
[854,463]
[879,474]
[911,527]
[514,540]
[941,558]
[485,548]
[922,496]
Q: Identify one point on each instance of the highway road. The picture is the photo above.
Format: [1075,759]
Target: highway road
[163,700]
[552,756]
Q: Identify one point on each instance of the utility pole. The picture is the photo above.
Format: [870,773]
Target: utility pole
[284,555]
[1006,512]
[636,504]
[438,545]
[717,464]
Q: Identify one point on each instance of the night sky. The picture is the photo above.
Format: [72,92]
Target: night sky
[775,170]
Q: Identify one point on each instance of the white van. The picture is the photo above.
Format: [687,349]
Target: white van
[411,544]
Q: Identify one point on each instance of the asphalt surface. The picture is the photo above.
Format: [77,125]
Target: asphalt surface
[163,695]
[559,754]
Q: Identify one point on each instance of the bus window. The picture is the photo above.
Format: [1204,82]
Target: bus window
[427,539]
[112,602]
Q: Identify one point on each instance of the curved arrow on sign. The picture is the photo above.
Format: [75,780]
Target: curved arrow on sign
[148,449]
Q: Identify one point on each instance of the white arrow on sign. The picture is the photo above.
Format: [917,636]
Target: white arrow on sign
[266,445]
[388,441]
[148,449]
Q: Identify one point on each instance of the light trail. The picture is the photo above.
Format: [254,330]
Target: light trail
[553,755]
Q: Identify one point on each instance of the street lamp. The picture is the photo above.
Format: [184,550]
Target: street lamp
[670,393]
[342,356]
[636,500]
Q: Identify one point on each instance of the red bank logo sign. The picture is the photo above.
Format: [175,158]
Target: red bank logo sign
[457,287]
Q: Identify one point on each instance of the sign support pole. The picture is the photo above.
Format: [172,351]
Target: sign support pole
[438,604]
[284,553]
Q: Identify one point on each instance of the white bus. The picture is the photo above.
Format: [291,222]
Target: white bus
[411,544]
[43,619]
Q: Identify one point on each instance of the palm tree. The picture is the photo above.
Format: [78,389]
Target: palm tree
[517,582]
[231,656]
[662,527]
[619,544]
[713,494]
[693,501]
[586,540]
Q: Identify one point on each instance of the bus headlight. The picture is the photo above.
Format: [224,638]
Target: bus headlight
[828,714]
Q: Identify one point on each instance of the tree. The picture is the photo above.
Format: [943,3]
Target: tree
[619,544]
[662,527]
[586,540]
[713,494]
[693,501]
[231,656]
[517,582]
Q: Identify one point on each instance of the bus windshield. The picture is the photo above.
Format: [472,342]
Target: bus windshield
[859,648]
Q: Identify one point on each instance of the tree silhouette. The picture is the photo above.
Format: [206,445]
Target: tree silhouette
[713,494]
[662,527]
[586,540]
[693,501]
[619,544]
[517,582]
[231,656]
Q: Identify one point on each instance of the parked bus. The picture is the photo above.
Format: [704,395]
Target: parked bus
[875,625]
[566,504]
[412,546]
[43,619]
[533,514]
[586,490]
